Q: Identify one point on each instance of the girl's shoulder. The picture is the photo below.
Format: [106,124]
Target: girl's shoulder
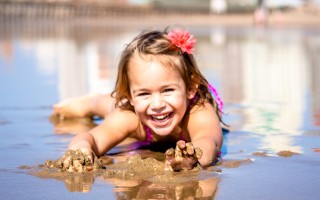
[202,108]
[202,114]
[203,120]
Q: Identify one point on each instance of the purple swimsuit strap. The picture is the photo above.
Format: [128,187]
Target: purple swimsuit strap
[182,137]
[218,99]
[149,135]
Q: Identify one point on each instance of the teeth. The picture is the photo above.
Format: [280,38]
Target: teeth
[160,117]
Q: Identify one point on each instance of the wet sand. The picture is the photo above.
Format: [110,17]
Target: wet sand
[140,174]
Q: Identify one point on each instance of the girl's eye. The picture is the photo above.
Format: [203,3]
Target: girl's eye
[142,94]
[168,90]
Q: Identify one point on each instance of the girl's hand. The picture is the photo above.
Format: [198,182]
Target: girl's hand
[80,160]
[184,157]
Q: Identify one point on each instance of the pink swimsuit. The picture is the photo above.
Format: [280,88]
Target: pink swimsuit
[149,135]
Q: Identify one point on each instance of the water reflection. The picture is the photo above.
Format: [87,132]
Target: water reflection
[274,84]
[267,72]
[143,189]
[184,190]
[72,126]
[140,176]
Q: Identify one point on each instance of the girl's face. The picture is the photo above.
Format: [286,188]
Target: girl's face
[158,95]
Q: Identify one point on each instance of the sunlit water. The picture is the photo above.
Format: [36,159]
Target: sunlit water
[267,77]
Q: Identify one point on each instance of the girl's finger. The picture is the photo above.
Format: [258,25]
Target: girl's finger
[190,148]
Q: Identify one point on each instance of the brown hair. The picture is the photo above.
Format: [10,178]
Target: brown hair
[155,43]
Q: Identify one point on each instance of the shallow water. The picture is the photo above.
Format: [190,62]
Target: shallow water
[267,77]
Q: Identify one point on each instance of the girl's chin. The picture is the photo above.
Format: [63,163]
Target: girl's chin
[161,130]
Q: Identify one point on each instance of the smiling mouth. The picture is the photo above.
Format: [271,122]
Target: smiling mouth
[161,118]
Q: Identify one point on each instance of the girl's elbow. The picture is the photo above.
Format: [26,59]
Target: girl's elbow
[210,158]
[207,161]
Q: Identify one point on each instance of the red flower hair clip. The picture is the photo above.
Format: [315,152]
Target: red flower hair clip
[182,39]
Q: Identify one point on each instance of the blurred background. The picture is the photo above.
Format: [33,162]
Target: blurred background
[81,40]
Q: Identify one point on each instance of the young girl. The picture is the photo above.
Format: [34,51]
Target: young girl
[160,96]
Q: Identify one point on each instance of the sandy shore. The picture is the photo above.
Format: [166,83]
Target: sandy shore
[294,18]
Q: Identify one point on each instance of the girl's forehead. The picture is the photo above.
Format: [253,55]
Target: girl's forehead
[143,72]
[141,61]
[152,69]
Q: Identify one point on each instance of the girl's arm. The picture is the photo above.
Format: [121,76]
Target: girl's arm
[206,139]
[116,127]
[205,132]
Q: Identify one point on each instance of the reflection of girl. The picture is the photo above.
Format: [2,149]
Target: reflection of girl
[160,95]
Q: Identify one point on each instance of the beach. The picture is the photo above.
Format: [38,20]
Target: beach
[267,75]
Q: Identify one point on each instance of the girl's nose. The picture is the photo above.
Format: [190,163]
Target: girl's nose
[157,102]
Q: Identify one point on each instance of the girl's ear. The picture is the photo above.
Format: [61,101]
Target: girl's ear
[192,92]
[193,89]
[131,101]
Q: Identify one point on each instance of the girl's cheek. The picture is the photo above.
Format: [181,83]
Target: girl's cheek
[176,98]
[140,105]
